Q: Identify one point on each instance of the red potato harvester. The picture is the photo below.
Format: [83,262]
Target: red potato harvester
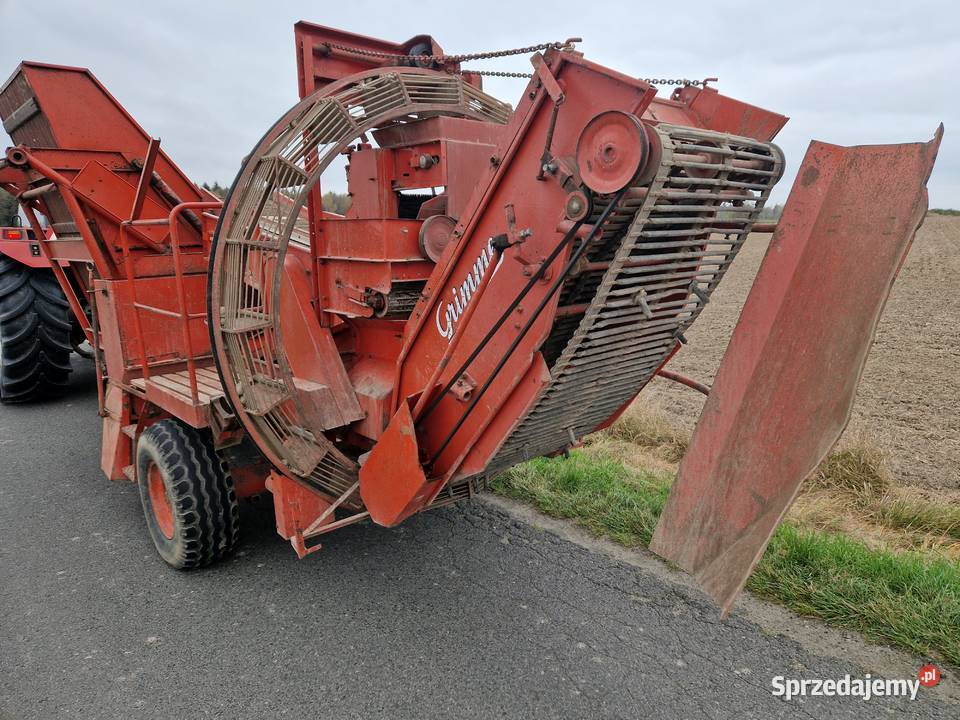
[505,282]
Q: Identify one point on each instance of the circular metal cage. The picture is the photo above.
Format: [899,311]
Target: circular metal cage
[263,213]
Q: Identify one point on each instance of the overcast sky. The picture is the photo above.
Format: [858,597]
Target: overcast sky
[210,77]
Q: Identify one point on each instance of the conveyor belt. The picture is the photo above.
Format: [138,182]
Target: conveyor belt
[663,266]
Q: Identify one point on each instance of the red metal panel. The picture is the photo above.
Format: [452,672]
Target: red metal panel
[115,197]
[311,350]
[161,332]
[786,385]
[320,63]
[375,344]
[706,108]
[115,450]
[504,422]
[26,251]
[392,482]
[83,115]
[295,506]
[714,111]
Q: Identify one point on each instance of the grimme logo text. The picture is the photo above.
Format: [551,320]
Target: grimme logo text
[448,314]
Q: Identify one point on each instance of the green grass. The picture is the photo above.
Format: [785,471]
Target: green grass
[902,598]
[945,211]
[650,430]
[858,468]
[917,517]
[599,493]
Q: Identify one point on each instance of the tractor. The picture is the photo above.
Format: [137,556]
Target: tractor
[38,332]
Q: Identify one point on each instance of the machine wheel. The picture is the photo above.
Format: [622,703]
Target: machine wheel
[188,497]
[34,333]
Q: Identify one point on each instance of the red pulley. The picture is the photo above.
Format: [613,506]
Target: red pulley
[435,234]
[611,151]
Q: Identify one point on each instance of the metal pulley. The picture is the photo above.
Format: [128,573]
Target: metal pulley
[612,150]
[435,234]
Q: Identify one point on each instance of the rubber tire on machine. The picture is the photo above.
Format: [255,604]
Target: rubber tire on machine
[188,497]
[35,327]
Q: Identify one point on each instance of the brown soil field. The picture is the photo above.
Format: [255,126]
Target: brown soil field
[908,402]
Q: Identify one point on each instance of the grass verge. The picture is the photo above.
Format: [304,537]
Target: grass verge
[898,597]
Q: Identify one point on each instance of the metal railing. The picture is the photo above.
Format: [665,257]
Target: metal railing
[182,313]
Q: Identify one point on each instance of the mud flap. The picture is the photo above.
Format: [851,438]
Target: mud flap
[786,385]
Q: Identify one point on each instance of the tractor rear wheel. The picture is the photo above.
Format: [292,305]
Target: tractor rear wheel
[35,331]
[188,496]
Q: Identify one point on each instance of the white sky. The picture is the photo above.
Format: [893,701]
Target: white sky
[210,77]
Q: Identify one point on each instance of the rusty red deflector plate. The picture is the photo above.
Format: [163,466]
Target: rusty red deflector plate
[786,385]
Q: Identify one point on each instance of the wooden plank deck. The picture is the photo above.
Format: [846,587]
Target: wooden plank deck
[171,391]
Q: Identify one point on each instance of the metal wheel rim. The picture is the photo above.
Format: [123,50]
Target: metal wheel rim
[160,501]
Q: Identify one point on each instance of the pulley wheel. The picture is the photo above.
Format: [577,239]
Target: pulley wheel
[435,234]
[577,206]
[611,151]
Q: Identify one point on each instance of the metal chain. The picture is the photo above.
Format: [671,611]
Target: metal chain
[497,73]
[449,58]
[674,81]
[466,57]
[651,81]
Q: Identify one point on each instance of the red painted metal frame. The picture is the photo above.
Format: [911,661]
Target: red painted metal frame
[21,248]
[787,382]
[185,317]
[385,374]
[319,65]
[136,234]
[427,357]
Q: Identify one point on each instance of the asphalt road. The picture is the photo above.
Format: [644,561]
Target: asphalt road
[459,613]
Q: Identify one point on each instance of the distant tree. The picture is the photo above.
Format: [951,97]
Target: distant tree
[336,202]
[217,189]
[771,212]
[332,201]
[9,208]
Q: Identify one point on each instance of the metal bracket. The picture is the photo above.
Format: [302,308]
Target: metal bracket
[550,83]
[146,174]
[463,388]
[555,92]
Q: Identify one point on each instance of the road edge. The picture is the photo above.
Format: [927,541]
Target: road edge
[813,635]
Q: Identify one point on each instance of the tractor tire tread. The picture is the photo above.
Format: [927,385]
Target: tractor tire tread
[201,493]
[35,326]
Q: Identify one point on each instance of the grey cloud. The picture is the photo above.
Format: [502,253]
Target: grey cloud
[210,77]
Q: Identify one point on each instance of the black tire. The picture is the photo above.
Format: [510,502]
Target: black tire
[198,490]
[35,326]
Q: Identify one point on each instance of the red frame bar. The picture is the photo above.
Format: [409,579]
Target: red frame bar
[182,313]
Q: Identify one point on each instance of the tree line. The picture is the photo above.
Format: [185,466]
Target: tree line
[332,201]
